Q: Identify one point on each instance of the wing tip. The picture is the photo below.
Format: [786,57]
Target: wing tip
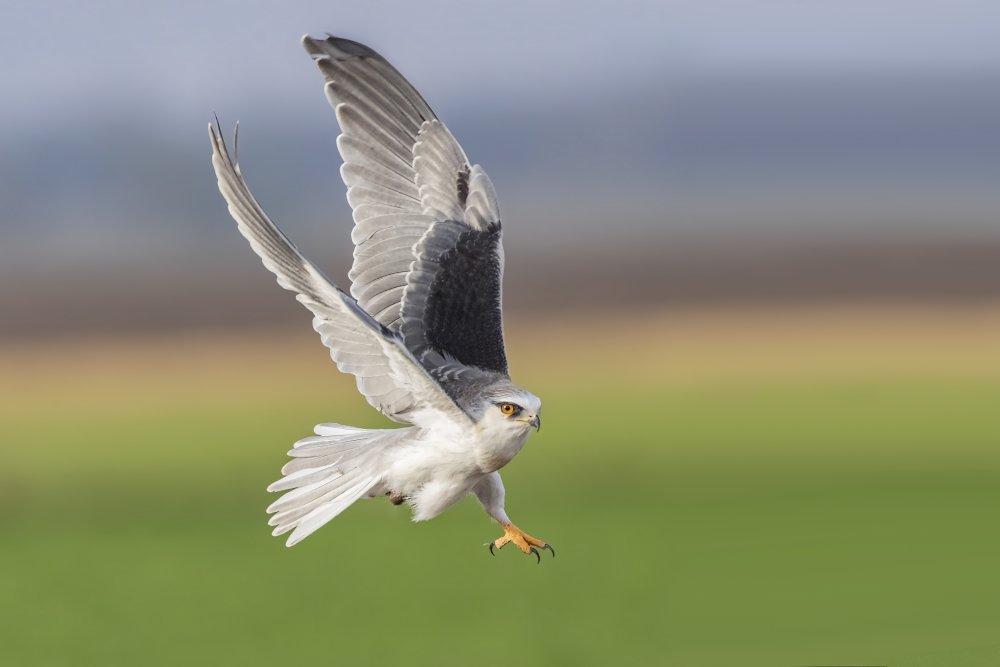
[332,46]
[212,127]
[309,44]
[218,139]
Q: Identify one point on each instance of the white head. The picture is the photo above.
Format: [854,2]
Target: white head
[514,409]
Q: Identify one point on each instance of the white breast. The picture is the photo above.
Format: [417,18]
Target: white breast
[443,465]
[495,447]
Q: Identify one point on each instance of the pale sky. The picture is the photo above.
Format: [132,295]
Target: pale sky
[58,57]
[704,114]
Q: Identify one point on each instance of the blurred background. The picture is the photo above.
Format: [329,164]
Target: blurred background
[753,271]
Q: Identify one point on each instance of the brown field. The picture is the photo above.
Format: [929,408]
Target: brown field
[672,347]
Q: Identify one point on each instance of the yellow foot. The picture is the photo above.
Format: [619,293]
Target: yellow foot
[526,543]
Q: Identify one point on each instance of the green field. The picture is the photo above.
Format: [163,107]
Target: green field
[842,510]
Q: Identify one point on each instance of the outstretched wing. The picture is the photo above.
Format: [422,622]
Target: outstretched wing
[428,260]
[387,374]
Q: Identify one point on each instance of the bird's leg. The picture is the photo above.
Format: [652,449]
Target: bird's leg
[526,543]
[489,490]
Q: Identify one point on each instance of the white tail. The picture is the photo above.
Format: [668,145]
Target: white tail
[326,475]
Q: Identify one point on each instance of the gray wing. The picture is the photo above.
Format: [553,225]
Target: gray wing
[428,259]
[386,372]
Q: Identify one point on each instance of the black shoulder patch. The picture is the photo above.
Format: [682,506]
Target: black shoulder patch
[451,304]
[462,313]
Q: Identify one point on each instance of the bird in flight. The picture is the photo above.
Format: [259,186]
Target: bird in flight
[421,329]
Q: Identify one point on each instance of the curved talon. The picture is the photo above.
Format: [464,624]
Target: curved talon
[524,542]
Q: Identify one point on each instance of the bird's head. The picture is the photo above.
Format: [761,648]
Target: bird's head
[511,408]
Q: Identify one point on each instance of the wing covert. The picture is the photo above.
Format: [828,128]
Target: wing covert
[428,260]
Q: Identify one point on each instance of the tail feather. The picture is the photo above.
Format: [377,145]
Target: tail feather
[330,482]
[287,519]
[320,460]
[311,522]
[299,478]
[304,519]
[326,475]
[334,429]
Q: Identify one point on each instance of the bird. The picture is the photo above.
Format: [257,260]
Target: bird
[421,328]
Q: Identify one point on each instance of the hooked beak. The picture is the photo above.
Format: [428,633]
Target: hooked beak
[537,422]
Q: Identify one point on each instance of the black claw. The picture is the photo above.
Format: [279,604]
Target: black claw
[491,550]
[549,547]
[537,555]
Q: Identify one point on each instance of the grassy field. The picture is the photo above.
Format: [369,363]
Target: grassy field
[760,487]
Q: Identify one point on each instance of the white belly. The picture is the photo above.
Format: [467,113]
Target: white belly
[435,472]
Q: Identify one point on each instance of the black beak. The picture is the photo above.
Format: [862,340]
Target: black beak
[537,422]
